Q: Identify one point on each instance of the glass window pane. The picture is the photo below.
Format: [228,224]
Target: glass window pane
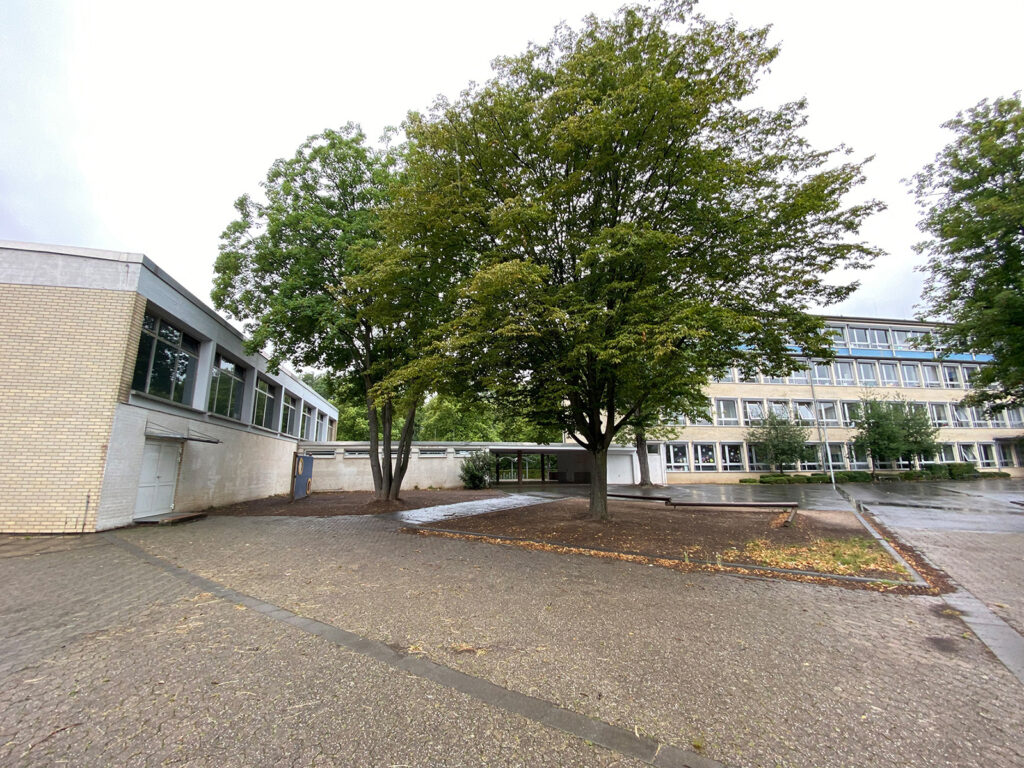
[164,370]
[185,378]
[142,360]
[169,333]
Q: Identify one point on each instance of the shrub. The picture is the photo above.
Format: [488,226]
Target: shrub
[938,471]
[773,480]
[994,474]
[913,474]
[798,479]
[857,476]
[749,480]
[477,470]
[819,479]
[962,470]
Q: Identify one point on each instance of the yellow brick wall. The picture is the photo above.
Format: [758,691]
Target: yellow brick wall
[66,359]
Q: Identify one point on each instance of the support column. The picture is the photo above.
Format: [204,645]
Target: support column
[542,478]
[519,466]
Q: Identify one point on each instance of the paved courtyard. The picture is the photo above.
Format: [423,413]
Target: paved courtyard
[341,641]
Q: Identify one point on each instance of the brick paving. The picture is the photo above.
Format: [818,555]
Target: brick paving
[107,659]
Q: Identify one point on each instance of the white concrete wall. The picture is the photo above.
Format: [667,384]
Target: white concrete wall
[244,465]
[352,473]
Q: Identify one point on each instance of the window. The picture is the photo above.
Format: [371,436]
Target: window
[305,429]
[774,380]
[704,457]
[970,372]
[727,377]
[946,453]
[879,338]
[858,456]
[905,339]
[860,338]
[838,334]
[1004,454]
[804,411]
[728,413]
[226,387]
[676,457]
[911,375]
[779,408]
[676,420]
[288,414]
[732,457]
[753,411]
[704,419]
[968,453]
[1015,416]
[867,374]
[931,376]
[835,456]
[939,413]
[813,462]
[951,375]
[999,419]
[821,374]
[321,427]
[987,451]
[827,413]
[263,405]
[167,361]
[844,373]
[754,462]
[747,377]
[921,408]
[888,374]
[851,412]
[433,453]
[961,416]
[799,376]
[978,417]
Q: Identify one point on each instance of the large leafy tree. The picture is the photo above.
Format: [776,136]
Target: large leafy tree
[629,226]
[312,275]
[972,196]
[780,442]
[889,430]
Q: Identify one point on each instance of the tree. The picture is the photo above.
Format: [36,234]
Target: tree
[643,427]
[972,197]
[889,430]
[779,441]
[311,273]
[628,228]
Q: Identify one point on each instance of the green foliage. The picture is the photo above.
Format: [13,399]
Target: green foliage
[477,470]
[938,471]
[972,196]
[779,441]
[448,418]
[913,474]
[889,430]
[983,475]
[749,480]
[628,225]
[962,470]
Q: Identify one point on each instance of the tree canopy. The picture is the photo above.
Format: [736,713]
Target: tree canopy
[889,430]
[779,442]
[625,226]
[972,196]
[310,272]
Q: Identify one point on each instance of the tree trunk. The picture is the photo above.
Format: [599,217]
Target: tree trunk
[404,449]
[371,418]
[599,484]
[641,457]
[386,474]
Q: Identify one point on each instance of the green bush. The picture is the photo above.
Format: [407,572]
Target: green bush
[937,471]
[819,479]
[994,474]
[962,470]
[798,479]
[856,476]
[477,470]
[773,480]
[913,474]
[749,480]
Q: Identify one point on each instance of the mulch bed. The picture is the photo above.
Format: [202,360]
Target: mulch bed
[347,503]
[655,531]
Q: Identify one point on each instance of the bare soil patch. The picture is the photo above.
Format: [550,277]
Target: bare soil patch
[331,504]
[823,541]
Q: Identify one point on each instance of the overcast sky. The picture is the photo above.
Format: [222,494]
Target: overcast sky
[135,125]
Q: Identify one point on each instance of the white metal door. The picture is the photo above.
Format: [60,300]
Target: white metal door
[158,478]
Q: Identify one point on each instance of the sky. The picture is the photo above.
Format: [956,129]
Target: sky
[133,126]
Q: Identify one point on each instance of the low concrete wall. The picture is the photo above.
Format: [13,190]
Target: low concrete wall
[351,472]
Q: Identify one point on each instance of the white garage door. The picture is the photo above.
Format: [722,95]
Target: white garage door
[158,478]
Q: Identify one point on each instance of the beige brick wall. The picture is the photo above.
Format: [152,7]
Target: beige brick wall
[66,356]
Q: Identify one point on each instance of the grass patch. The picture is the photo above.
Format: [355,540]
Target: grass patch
[854,556]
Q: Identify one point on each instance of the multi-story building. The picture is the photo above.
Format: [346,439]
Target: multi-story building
[123,396]
[875,358]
